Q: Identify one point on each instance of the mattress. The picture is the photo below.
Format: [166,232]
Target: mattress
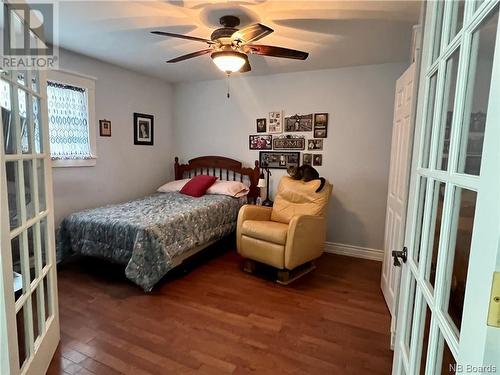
[147,234]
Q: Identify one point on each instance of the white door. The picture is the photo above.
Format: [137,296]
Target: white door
[453,222]
[402,137]
[30,331]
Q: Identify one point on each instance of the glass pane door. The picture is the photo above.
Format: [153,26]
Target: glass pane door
[447,278]
[28,256]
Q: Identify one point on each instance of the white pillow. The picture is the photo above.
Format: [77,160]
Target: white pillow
[232,188]
[173,186]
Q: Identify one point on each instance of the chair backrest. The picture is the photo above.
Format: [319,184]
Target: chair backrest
[299,198]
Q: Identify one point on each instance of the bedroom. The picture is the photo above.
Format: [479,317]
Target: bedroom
[202,312]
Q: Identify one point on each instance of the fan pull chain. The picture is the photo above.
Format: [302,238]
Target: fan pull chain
[228,93]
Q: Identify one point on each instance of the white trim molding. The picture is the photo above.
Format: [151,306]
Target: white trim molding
[354,251]
[77,74]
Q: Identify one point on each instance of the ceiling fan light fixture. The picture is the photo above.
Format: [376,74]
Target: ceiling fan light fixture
[229,61]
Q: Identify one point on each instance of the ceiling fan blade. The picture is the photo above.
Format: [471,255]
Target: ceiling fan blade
[190,55]
[252,33]
[246,68]
[286,53]
[188,37]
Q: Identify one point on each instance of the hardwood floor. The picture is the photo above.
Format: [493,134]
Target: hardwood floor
[217,319]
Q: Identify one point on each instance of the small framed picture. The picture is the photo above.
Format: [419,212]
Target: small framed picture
[306,159]
[315,144]
[317,160]
[261,125]
[105,128]
[299,123]
[275,123]
[320,125]
[260,142]
[143,129]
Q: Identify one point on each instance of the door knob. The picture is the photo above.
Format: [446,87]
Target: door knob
[403,254]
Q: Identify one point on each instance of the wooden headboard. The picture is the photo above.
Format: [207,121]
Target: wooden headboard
[225,168]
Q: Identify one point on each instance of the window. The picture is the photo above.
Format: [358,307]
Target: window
[71,118]
[68,122]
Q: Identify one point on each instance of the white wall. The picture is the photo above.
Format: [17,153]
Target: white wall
[123,170]
[359,101]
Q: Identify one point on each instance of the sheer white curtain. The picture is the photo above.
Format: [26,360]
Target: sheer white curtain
[68,122]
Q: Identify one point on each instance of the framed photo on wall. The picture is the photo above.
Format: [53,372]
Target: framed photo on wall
[306,159]
[105,128]
[260,142]
[299,123]
[315,144]
[317,160]
[279,160]
[275,123]
[320,125]
[143,129]
[261,125]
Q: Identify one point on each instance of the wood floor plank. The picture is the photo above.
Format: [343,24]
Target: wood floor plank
[214,362]
[98,368]
[217,319]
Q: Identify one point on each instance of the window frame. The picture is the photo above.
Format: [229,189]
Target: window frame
[87,83]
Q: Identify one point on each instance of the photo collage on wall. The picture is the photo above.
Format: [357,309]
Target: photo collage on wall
[281,147]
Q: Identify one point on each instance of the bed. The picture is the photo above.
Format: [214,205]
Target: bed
[152,235]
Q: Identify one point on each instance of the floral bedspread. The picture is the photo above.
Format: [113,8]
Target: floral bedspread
[147,234]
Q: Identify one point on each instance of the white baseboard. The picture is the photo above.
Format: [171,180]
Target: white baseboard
[354,251]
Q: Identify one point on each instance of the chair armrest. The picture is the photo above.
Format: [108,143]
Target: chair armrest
[305,240]
[251,212]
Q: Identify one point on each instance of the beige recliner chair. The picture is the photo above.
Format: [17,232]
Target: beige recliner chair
[289,235]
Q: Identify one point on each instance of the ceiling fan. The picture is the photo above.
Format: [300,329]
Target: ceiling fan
[229,47]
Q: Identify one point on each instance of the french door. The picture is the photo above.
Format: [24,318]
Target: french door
[28,305]
[453,222]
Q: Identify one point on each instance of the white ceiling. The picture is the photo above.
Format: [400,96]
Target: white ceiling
[335,33]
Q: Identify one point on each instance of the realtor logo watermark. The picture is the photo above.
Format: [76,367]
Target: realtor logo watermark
[29,35]
[470,369]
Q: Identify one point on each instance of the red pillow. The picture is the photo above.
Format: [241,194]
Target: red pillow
[198,185]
